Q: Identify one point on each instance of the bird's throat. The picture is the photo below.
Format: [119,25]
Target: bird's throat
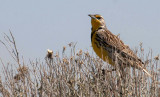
[95,24]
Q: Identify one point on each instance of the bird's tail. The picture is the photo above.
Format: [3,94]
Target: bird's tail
[147,72]
[139,66]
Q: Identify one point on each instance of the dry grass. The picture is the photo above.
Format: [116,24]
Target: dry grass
[75,75]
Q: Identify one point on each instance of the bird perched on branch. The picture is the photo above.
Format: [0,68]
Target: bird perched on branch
[110,48]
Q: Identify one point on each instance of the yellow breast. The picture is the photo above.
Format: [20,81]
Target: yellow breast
[100,51]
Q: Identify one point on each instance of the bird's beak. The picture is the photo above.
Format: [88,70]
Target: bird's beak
[92,16]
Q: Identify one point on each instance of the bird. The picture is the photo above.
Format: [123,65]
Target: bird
[110,48]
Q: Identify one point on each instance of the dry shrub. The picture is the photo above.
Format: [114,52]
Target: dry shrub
[76,75]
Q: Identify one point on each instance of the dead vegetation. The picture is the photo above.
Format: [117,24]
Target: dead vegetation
[78,74]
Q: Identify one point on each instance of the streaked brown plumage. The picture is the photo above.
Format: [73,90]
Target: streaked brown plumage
[109,47]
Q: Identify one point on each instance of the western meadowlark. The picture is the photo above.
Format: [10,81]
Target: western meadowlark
[109,47]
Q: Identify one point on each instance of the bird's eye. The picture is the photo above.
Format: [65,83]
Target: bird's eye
[99,18]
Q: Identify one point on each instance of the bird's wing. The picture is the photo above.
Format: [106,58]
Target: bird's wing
[109,40]
[112,43]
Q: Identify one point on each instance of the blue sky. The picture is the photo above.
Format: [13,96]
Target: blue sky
[41,24]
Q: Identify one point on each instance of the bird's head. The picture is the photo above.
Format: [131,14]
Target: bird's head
[97,21]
